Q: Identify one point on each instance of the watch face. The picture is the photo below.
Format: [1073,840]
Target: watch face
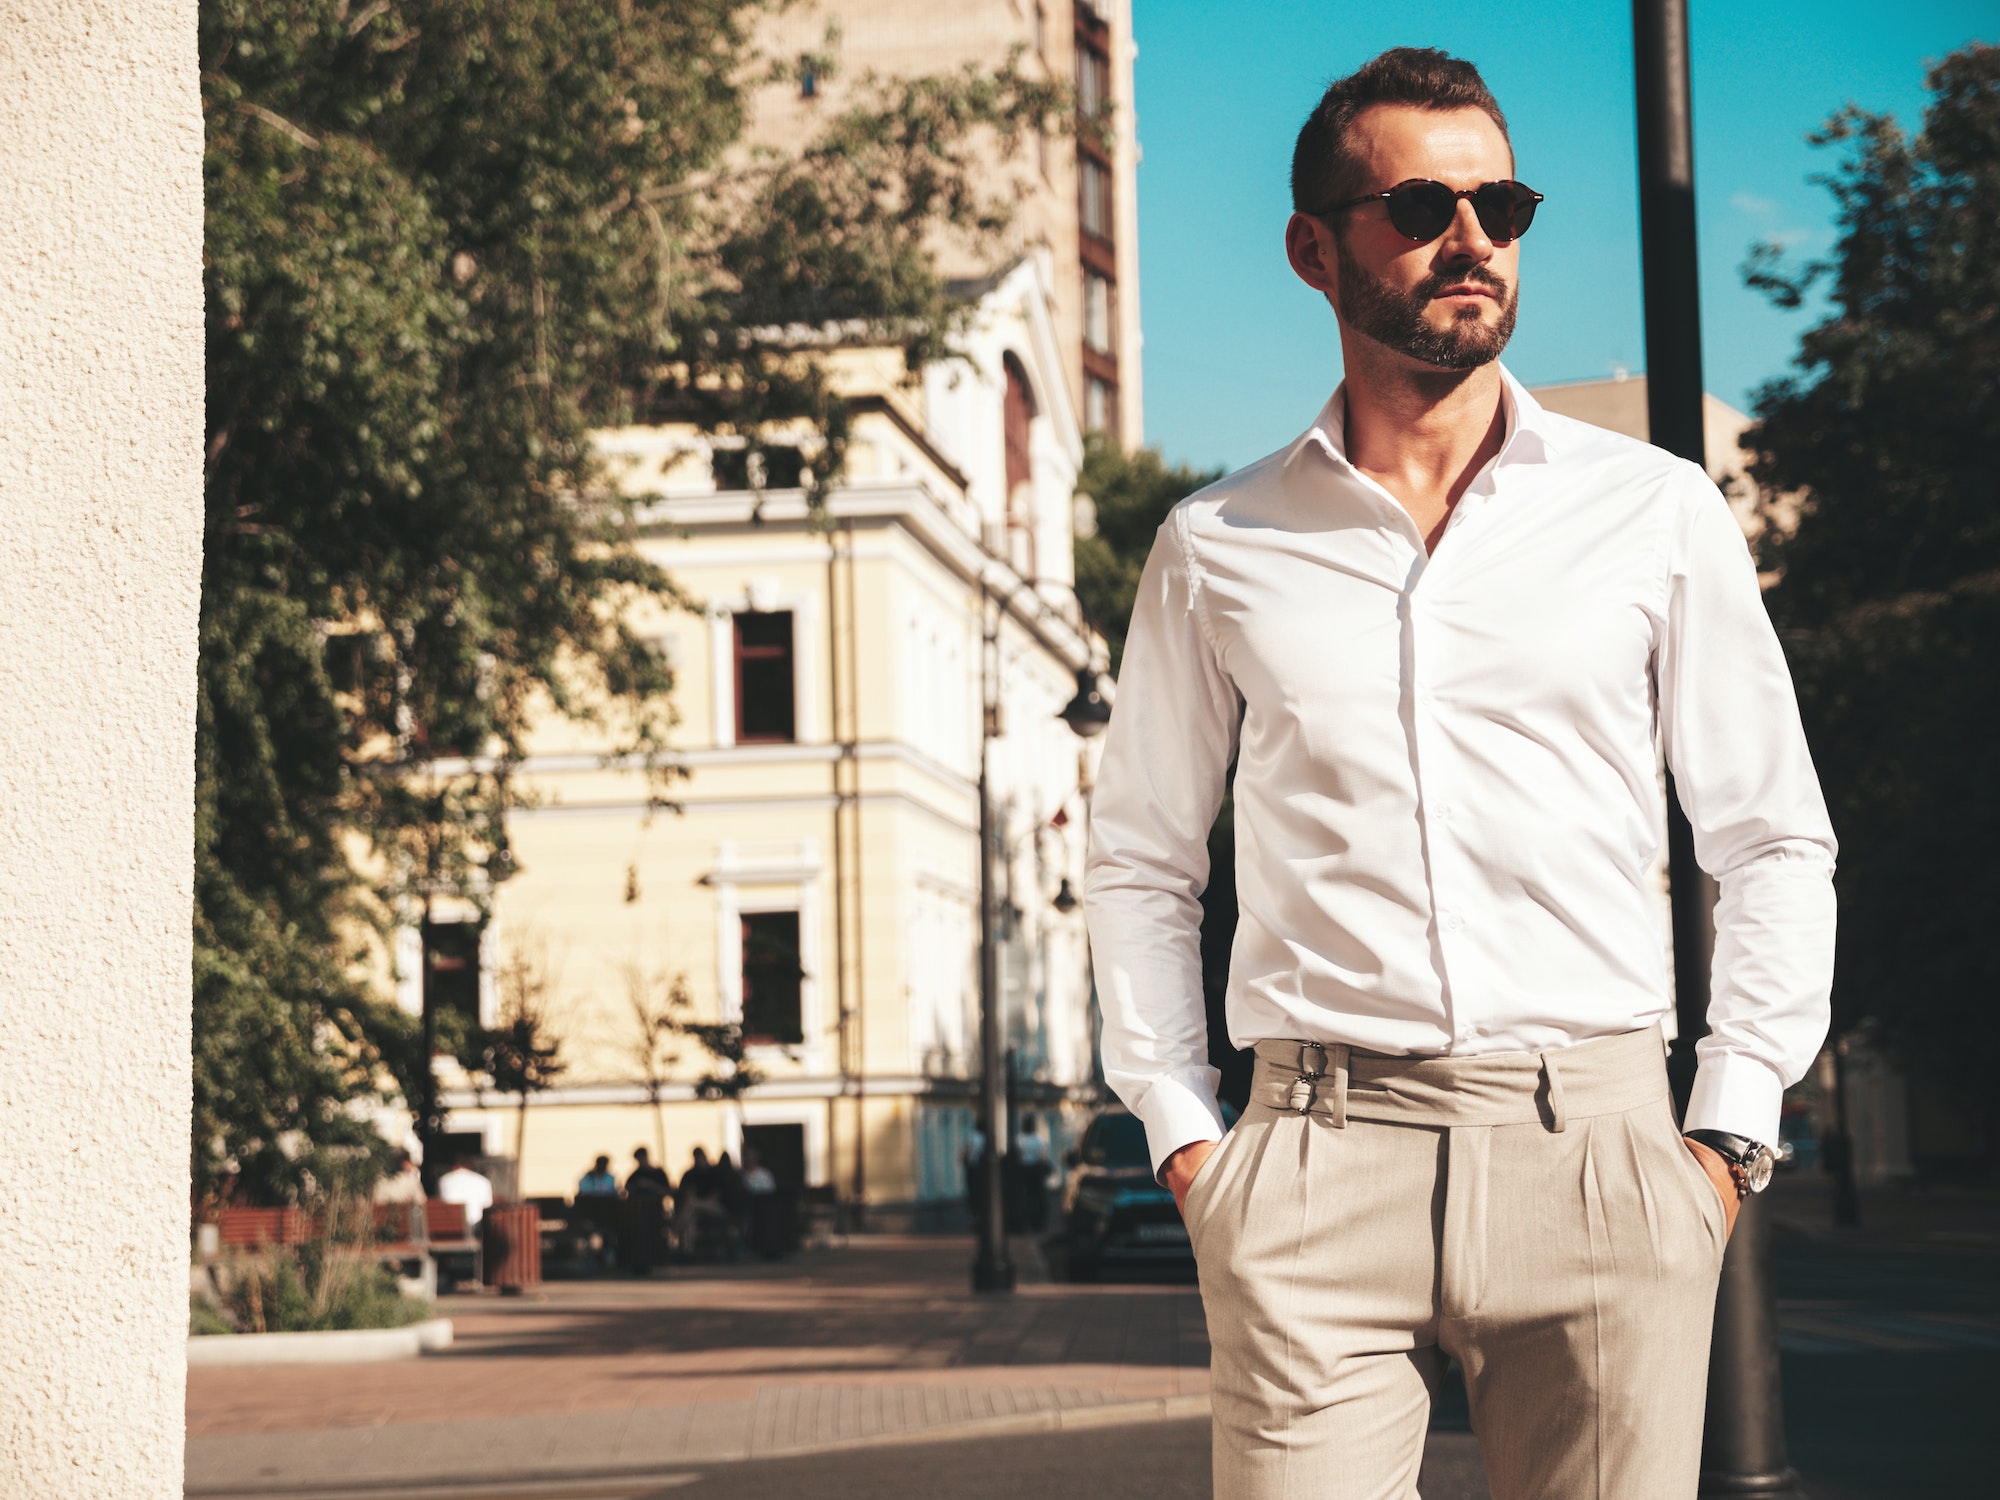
[1757,1170]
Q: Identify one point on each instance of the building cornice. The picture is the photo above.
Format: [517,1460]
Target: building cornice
[771,1090]
[900,502]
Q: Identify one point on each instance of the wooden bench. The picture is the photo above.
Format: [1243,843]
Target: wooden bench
[261,1228]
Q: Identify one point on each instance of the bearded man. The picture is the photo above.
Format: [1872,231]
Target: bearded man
[1441,639]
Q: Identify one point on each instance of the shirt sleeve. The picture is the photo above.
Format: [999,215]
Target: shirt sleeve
[1746,781]
[1159,784]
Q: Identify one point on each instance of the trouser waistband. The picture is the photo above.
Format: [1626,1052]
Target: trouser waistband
[1606,1076]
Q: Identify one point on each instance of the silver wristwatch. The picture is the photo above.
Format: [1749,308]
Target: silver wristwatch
[1751,1163]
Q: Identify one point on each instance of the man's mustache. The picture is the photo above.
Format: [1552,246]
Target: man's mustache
[1433,285]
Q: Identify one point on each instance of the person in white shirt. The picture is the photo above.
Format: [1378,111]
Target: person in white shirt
[1441,639]
[469,1189]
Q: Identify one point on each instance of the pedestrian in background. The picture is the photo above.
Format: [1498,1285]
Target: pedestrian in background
[599,1209]
[698,1210]
[646,1192]
[1435,637]
[1031,1150]
[761,1227]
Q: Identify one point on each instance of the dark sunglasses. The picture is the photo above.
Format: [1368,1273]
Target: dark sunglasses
[1422,210]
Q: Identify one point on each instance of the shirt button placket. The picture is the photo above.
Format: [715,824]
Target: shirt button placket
[1436,814]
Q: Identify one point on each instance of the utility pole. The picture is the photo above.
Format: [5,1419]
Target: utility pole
[1087,715]
[1743,1442]
[993,1267]
[427,1089]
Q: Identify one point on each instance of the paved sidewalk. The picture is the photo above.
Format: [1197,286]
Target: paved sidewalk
[704,1385]
[878,1341]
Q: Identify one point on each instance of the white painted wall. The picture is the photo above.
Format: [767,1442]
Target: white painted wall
[100,536]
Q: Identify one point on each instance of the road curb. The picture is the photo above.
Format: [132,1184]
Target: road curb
[340,1347]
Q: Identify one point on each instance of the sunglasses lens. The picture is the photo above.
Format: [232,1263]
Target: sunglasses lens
[1421,210]
[1505,209]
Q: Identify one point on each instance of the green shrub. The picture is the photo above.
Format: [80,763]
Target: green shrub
[204,1317]
[306,1291]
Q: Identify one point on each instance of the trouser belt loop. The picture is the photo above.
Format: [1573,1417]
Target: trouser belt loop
[1319,1064]
[1552,1079]
[1323,1065]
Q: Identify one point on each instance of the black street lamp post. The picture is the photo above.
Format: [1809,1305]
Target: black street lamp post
[1087,714]
[1743,1441]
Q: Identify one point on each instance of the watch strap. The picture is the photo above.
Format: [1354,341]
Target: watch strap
[1750,1162]
[1732,1148]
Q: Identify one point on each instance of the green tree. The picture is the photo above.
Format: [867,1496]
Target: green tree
[1889,591]
[522,1056]
[1131,494]
[447,239]
[657,1002]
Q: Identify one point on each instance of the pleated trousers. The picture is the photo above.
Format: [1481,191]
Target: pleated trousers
[1535,1217]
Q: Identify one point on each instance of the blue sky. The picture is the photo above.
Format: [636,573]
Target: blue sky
[1239,355]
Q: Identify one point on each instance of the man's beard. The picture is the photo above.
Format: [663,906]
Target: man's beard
[1396,319]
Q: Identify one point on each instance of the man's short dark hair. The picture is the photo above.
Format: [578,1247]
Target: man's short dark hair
[1325,170]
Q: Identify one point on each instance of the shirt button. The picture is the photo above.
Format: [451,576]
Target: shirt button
[1453,921]
[1441,811]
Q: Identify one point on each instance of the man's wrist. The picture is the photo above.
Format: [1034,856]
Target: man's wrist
[1750,1162]
[1183,1158]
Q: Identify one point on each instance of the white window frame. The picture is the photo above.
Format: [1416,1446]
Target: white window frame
[793,886]
[765,597]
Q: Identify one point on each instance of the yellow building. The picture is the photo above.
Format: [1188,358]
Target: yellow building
[1077,194]
[820,880]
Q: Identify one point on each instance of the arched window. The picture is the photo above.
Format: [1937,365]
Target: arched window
[1018,415]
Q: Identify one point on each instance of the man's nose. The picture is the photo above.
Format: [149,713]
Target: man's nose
[1466,239]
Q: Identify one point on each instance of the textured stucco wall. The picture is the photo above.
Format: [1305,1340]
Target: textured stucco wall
[100,534]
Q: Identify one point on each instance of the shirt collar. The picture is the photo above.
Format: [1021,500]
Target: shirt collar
[1529,437]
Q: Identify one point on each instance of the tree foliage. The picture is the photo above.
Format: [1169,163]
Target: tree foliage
[1889,595]
[1132,493]
[447,239]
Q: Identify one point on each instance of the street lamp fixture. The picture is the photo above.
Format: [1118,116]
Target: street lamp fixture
[1087,713]
[1065,898]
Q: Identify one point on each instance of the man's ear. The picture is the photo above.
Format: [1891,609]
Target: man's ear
[1310,248]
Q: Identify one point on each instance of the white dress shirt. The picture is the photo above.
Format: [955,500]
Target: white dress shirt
[1448,807]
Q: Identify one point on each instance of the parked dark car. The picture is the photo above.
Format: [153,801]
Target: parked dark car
[1114,1213]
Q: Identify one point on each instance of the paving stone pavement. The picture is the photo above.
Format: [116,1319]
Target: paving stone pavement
[701,1383]
[877,1340]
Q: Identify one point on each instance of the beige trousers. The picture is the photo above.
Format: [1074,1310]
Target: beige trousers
[1535,1217]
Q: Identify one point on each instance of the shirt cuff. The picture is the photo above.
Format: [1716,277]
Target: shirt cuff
[1738,1095]
[1176,1114]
